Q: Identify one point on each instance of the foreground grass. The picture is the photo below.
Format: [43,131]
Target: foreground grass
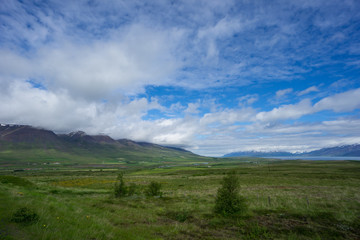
[287,200]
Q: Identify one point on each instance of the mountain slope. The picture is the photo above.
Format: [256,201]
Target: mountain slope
[28,144]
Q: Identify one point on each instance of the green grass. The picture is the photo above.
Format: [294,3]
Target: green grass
[286,200]
[35,155]
[17,181]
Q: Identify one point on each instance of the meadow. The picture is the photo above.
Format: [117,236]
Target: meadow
[286,200]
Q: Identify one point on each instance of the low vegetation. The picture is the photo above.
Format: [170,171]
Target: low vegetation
[228,200]
[120,189]
[275,200]
[25,215]
[154,189]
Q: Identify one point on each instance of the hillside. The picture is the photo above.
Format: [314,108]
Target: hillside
[25,144]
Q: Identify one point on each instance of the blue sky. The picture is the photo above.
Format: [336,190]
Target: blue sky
[210,76]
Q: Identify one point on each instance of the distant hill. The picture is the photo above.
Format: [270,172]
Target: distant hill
[340,151]
[19,143]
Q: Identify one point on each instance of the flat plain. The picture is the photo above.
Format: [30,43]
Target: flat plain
[286,200]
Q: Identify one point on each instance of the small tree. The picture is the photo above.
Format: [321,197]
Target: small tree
[228,200]
[154,189]
[120,188]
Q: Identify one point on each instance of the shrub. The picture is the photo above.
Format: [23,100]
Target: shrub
[25,215]
[131,190]
[180,215]
[228,201]
[154,189]
[120,188]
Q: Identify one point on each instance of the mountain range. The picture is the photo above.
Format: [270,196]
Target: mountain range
[22,144]
[339,151]
[27,144]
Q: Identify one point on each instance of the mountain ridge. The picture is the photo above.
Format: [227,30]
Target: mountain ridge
[352,150]
[26,143]
[26,133]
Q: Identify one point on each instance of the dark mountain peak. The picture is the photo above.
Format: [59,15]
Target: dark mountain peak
[20,134]
[26,134]
[80,136]
[77,134]
[104,139]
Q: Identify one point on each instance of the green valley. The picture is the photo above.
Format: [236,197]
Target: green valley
[64,187]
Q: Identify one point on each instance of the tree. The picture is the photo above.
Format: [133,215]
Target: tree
[120,188]
[228,200]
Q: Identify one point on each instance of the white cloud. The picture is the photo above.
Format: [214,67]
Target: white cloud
[340,84]
[192,108]
[127,64]
[248,99]
[308,90]
[342,102]
[23,104]
[161,131]
[59,111]
[283,92]
[291,111]
[228,116]
[223,28]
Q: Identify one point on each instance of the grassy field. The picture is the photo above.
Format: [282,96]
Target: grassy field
[286,200]
[21,155]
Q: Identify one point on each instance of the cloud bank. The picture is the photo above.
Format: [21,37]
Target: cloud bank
[242,75]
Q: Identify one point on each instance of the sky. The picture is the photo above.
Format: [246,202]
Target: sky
[211,76]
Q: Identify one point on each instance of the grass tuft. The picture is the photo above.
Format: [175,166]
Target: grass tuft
[179,215]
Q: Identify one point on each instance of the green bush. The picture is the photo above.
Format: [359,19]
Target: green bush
[154,189]
[131,190]
[228,200]
[120,188]
[25,215]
